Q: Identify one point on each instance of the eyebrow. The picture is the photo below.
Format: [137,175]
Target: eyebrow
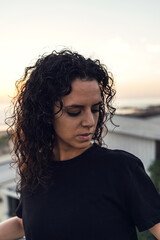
[80,106]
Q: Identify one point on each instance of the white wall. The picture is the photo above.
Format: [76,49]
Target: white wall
[143,148]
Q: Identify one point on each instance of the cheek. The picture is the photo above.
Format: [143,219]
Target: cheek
[58,126]
[65,126]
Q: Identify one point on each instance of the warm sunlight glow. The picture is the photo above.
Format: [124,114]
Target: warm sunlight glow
[112,34]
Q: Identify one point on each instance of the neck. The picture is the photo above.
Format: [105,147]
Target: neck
[68,153]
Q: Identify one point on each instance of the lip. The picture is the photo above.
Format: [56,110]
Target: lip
[85,136]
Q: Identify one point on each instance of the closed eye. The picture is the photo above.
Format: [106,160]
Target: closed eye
[95,110]
[74,114]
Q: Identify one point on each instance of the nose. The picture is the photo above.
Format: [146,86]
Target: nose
[88,120]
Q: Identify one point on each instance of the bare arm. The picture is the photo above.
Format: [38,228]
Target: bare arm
[11,229]
[155,230]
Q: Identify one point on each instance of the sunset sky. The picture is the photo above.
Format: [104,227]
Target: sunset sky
[123,34]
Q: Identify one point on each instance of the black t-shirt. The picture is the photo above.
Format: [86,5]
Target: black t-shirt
[101,194]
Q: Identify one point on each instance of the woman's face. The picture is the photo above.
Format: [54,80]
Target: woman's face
[76,123]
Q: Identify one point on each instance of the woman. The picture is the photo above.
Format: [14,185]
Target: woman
[71,187]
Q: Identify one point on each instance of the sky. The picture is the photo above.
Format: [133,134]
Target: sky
[123,34]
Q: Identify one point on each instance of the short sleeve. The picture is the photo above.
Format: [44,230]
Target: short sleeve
[19,209]
[142,198]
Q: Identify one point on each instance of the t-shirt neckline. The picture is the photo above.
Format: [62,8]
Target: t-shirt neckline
[75,159]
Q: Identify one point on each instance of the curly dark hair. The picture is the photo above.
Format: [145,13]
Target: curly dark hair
[31,122]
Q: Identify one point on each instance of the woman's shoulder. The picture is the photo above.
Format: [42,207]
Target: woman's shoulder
[118,157]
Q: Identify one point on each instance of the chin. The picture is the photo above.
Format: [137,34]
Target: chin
[77,144]
[84,144]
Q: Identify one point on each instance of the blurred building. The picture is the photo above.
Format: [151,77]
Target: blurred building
[8,196]
[137,135]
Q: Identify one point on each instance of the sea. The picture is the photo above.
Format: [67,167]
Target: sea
[120,103]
